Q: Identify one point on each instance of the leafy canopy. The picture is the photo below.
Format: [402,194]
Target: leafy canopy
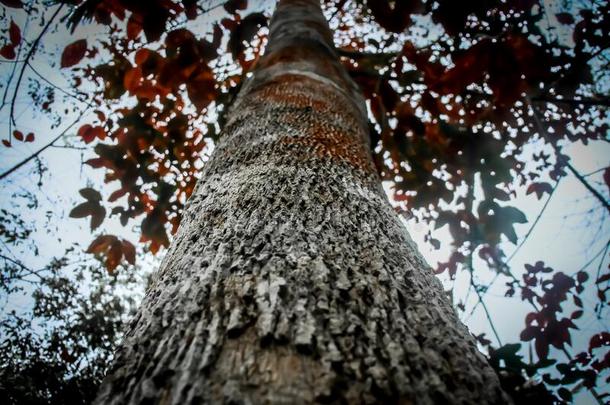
[458,93]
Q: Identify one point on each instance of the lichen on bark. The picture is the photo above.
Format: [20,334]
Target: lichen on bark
[292,279]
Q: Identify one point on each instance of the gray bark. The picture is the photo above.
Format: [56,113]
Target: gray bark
[292,279]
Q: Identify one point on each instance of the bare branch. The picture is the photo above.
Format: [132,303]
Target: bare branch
[604,102]
[29,55]
[529,232]
[579,176]
[48,145]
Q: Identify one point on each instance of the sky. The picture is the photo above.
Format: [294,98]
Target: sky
[572,231]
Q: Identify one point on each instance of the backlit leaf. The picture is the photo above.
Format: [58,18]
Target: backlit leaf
[73,53]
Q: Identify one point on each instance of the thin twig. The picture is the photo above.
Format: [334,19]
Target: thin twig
[604,102]
[53,84]
[48,145]
[29,55]
[579,176]
[529,232]
[599,270]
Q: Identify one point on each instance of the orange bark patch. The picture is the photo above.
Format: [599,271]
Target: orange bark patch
[328,141]
[300,91]
[325,120]
[322,62]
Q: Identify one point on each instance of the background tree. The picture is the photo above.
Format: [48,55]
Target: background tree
[467,105]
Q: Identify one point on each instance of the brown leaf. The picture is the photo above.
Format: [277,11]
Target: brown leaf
[29,137]
[18,135]
[97,217]
[90,194]
[82,210]
[73,53]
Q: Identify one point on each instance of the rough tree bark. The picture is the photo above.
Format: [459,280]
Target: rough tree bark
[292,280]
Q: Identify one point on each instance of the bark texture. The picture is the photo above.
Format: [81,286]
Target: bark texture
[292,280]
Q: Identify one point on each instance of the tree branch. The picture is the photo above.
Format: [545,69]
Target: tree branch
[580,178]
[48,145]
[604,102]
[29,55]
[529,232]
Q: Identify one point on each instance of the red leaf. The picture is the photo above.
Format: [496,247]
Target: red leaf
[100,243]
[142,55]
[113,256]
[85,133]
[12,3]
[229,24]
[201,89]
[129,252]
[14,33]
[607,177]
[190,8]
[576,314]
[132,78]
[100,115]
[134,26]
[6,143]
[29,137]
[8,51]
[96,163]
[89,133]
[233,5]
[539,189]
[18,135]
[73,53]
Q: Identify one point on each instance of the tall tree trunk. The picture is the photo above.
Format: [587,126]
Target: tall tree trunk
[292,280]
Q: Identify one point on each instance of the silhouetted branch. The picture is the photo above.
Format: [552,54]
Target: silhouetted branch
[39,151]
[529,232]
[29,55]
[580,178]
[605,102]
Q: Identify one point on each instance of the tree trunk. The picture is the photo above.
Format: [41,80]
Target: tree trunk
[292,280]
